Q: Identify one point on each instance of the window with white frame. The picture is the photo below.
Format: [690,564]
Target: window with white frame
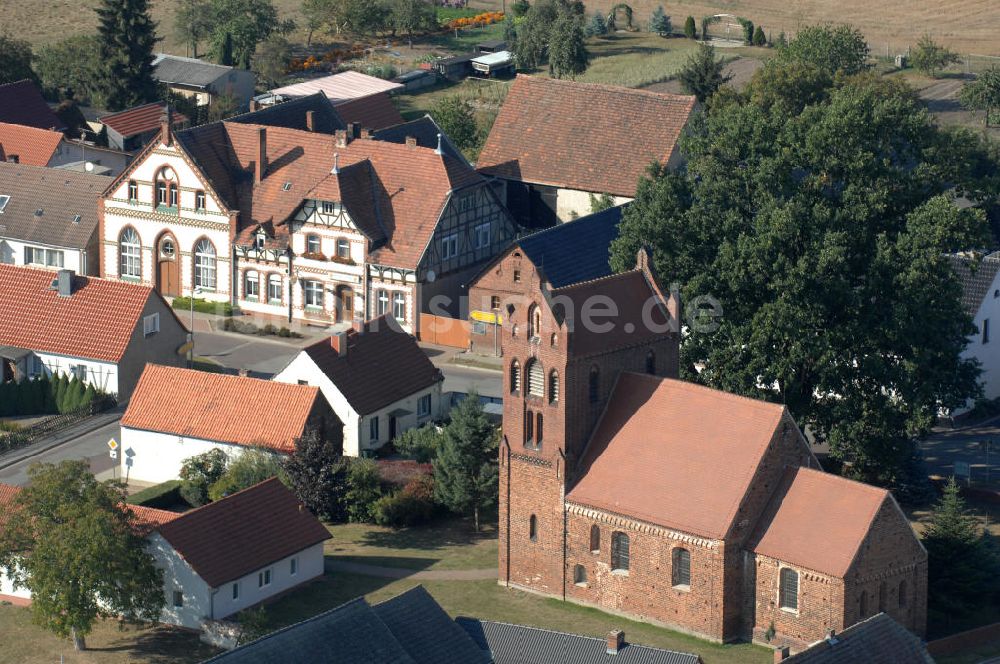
[373,428]
[329,207]
[788,589]
[312,244]
[78,371]
[37,366]
[40,256]
[382,302]
[251,285]
[264,578]
[343,248]
[449,246]
[133,190]
[482,235]
[424,406]
[150,324]
[313,293]
[128,250]
[274,289]
[258,241]
[399,306]
[199,200]
[204,264]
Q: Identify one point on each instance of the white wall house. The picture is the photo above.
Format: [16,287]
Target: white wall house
[980,278]
[225,556]
[376,380]
[176,413]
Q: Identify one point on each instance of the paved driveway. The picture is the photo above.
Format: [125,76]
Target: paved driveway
[946,446]
[91,447]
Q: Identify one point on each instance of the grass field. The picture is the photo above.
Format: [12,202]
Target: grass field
[21,642]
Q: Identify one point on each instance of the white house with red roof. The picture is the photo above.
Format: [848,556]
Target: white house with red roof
[225,556]
[177,413]
[376,379]
[294,212]
[101,331]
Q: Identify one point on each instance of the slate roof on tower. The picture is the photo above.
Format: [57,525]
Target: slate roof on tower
[597,138]
[219,407]
[579,250]
[32,146]
[243,532]
[381,365]
[675,454]
[21,102]
[95,322]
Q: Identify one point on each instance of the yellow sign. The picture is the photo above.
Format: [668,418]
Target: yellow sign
[486,317]
[185,349]
[113,444]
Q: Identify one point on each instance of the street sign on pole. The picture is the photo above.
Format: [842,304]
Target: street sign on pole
[112,444]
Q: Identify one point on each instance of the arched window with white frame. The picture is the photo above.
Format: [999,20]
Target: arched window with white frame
[129,252]
[204,265]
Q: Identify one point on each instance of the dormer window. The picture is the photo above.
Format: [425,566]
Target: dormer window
[330,207]
[287,186]
[3,202]
[258,241]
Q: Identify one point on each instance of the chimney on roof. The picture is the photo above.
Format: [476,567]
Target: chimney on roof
[311,120]
[340,137]
[616,638]
[260,167]
[438,150]
[64,283]
[411,141]
[366,132]
[167,126]
[339,342]
[254,105]
[781,653]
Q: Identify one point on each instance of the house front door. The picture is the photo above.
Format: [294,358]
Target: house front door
[168,279]
[345,304]
[392,428]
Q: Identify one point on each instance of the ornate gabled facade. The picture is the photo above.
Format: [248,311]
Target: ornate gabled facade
[624,488]
[302,224]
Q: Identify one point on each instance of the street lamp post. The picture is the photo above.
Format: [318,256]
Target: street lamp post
[196,291]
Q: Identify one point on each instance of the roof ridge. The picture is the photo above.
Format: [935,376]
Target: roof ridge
[588,282]
[689,385]
[617,89]
[201,508]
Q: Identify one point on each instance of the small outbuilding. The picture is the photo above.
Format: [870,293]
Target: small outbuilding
[492,65]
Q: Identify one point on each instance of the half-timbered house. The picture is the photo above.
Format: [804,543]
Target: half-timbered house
[307,218]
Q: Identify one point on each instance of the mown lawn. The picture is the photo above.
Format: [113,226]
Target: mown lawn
[448,544]
[22,642]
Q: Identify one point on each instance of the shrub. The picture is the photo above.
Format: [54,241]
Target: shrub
[200,472]
[162,495]
[747,31]
[203,306]
[597,26]
[363,490]
[690,31]
[419,444]
[251,467]
[411,506]
[759,39]
[520,8]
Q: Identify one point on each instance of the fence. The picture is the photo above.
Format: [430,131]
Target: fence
[12,440]
[444,331]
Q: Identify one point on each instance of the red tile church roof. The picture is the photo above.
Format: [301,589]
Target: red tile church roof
[675,454]
[95,322]
[228,409]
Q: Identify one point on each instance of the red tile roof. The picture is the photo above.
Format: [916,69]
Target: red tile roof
[631,294]
[141,119]
[33,146]
[21,103]
[675,454]
[148,519]
[407,187]
[8,493]
[818,520]
[244,532]
[372,112]
[383,364]
[598,138]
[219,407]
[95,322]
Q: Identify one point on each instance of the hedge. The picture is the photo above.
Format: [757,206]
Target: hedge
[203,306]
[163,495]
[45,396]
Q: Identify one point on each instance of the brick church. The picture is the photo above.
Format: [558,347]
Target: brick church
[624,488]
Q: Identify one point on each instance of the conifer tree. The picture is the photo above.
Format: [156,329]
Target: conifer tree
[659,22]
[690,31]
[465,470]
[128,37]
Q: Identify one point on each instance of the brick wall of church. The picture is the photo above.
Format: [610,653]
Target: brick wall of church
[889,556]
[646,590]
[820,605]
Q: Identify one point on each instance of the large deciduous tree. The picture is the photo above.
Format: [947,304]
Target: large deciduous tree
[456,118]
[15,59]
[465,470]
[822,234]
[71,68]
[237,26]
[128,38]
[317,473]
[930,57]
[834,48]
[983,94]
[192,23]
[567,51]
[71,541]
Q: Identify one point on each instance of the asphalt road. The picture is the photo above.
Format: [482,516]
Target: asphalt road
[946,446]
[92,447]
